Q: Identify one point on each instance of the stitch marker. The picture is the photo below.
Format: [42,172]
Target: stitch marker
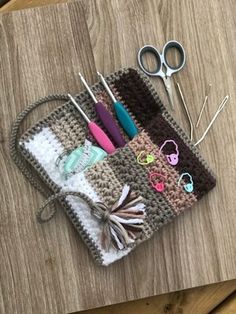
[144,161]
[78,159]
[187,186]
[105,116]
[173,158]
[158,186]
[122,114]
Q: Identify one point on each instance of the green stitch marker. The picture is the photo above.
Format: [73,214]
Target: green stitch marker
[82,158]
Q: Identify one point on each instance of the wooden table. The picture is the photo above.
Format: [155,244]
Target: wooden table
[47,269]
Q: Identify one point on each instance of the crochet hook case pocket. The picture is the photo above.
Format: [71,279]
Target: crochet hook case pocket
[119,200]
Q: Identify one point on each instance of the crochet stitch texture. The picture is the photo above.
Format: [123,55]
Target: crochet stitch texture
[64,130]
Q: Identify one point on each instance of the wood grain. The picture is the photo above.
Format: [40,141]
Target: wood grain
[203,237]
[40,54]
[47,268]
[2,2]
[226,307]
[18,5]
[201,300]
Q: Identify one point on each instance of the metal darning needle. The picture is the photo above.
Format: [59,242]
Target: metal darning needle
[220,108]
[203,106]
[186,110]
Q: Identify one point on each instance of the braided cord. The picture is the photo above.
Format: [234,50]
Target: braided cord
[16,154]
[60,196]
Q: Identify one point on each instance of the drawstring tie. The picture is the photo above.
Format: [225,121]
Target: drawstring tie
[121,223]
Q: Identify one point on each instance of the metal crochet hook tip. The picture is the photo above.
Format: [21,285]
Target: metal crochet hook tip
[220,108]
[203,106]
[86,118]
[107,87]
[186,110]
[87,88]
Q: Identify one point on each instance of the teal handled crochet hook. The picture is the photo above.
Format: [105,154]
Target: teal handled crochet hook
[122,114]
[99,135]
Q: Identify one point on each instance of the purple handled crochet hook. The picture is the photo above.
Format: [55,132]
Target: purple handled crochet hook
[99,135]
[105,116]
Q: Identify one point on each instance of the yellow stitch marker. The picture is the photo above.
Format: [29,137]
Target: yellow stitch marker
[149,159]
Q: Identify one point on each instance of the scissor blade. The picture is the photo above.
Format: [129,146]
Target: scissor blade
[168,86]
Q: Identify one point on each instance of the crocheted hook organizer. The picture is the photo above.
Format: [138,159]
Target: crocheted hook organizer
[119,200]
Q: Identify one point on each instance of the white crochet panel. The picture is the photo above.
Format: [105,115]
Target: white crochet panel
[46,148]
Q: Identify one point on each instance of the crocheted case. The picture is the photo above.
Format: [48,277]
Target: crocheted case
[120,201]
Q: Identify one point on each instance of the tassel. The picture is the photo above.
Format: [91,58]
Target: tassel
[123,222]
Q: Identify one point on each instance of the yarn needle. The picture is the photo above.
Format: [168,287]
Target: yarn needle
[203,106]
[186,110]
[105,116]
[220,108]
[100,136]
[122,114]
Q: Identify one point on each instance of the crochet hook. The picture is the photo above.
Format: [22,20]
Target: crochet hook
[122,114]
[100,136]
[105,116]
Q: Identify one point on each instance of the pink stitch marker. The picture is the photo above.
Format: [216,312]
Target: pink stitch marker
[159,186]
[173,158]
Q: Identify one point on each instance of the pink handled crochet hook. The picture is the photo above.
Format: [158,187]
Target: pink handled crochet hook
[105,116]
[100,136]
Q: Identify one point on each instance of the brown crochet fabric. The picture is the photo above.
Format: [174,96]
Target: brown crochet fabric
[159,130]
[104,182]
[174,194]
[67,130]
[128,171]
[138,98]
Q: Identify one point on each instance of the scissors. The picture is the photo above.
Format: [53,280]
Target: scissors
[163,68]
